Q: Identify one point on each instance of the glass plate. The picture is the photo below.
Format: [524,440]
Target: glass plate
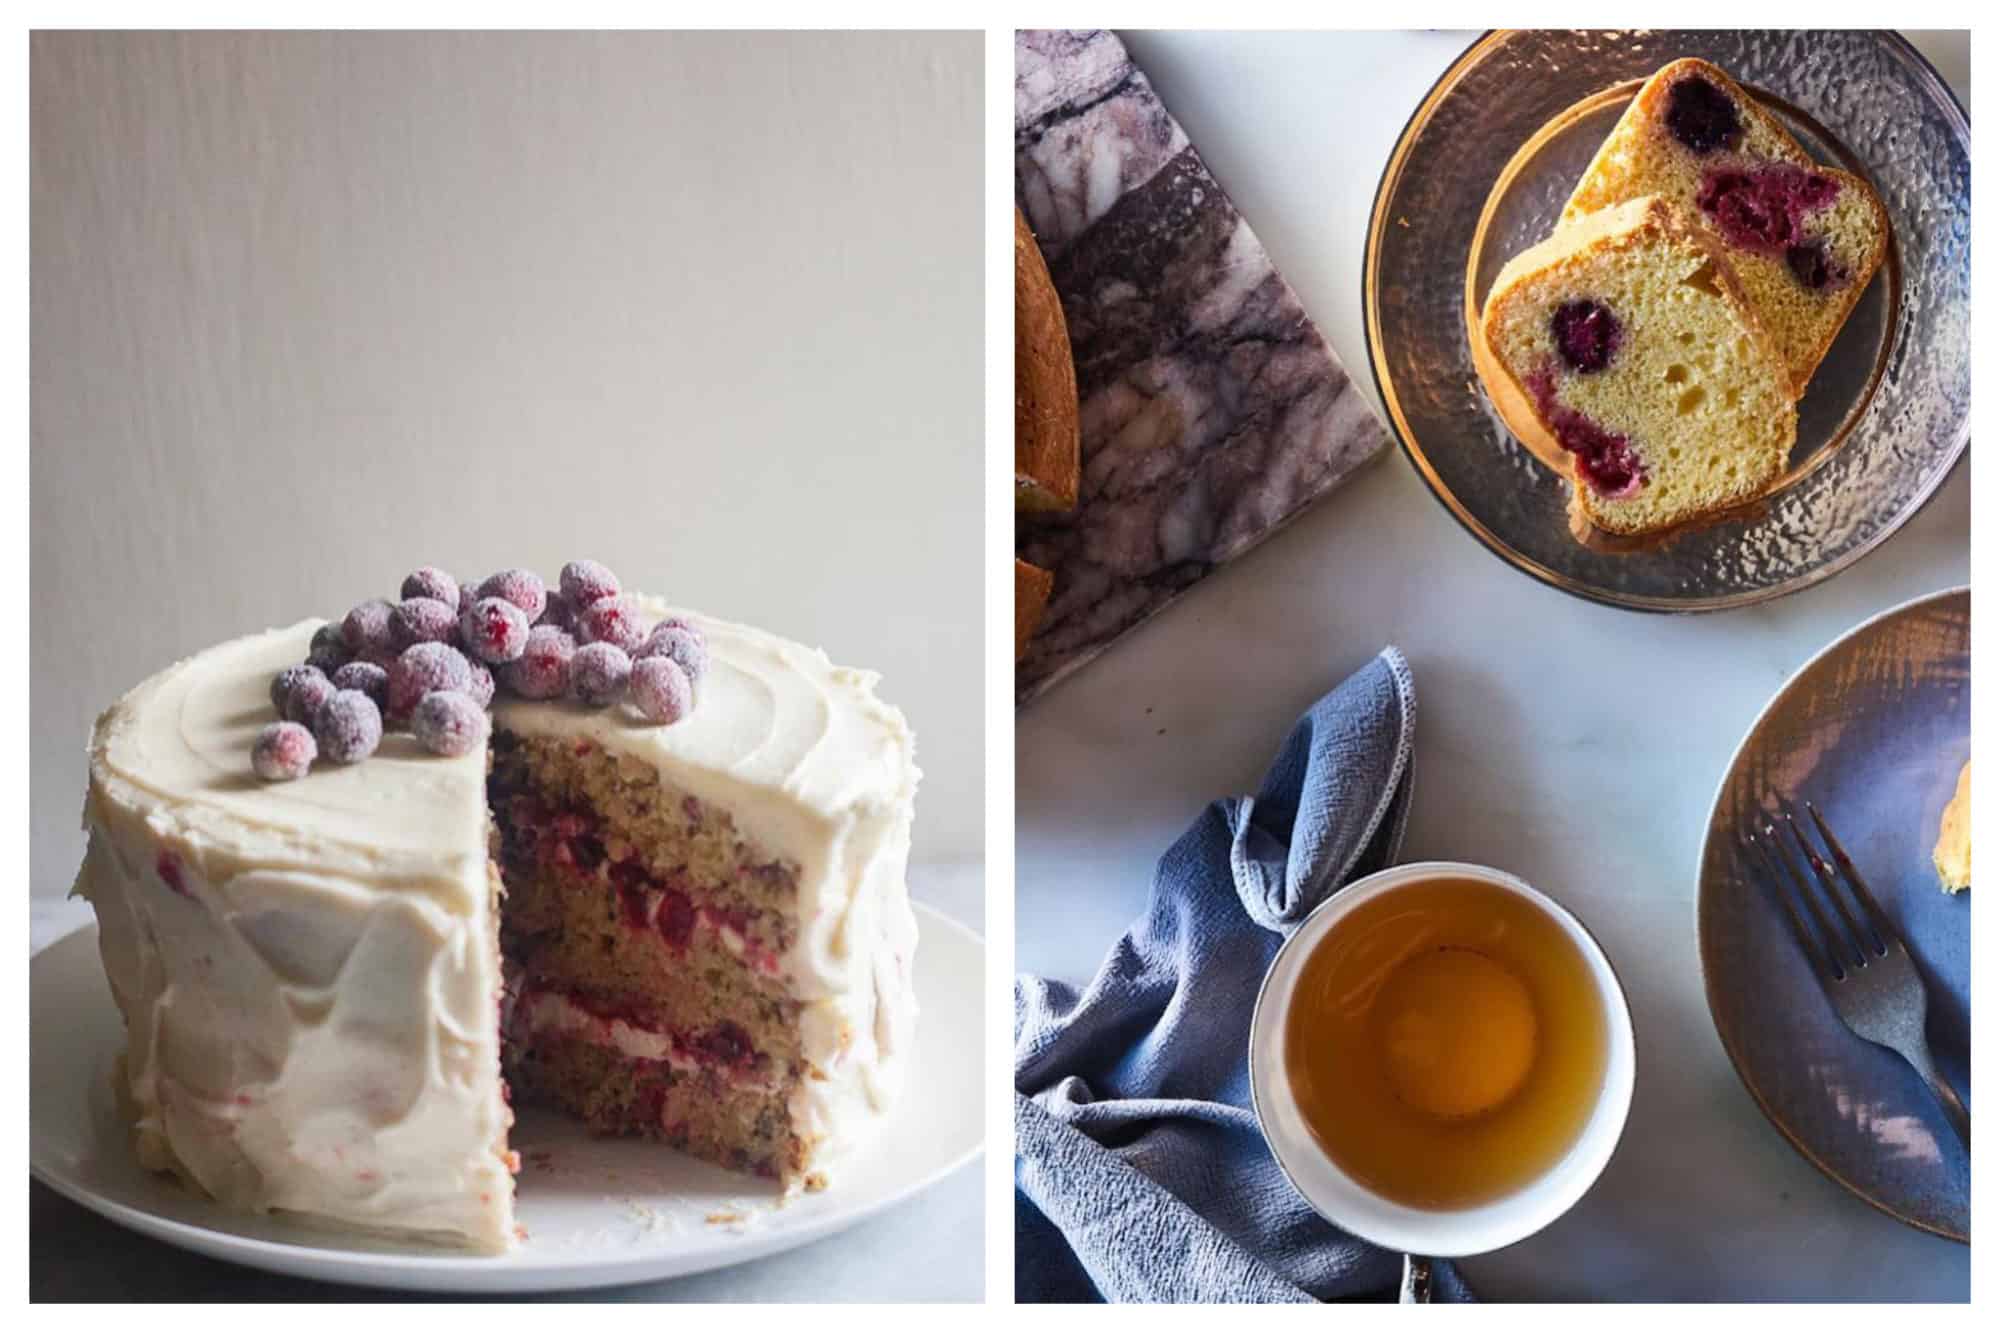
[1482,171]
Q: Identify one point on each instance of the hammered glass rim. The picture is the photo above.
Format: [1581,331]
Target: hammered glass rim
[1482,48]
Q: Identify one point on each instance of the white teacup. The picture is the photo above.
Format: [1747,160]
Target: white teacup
[1354,1207]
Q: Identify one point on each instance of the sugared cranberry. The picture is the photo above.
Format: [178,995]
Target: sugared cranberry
[308,692]
[283,752]
[660,690]
[585,583]
[1812,265]
[281,684]
[522,587]
[366,629]
[366,677]
[598,672]
[614,621]
[422,668]
[449,723]
[1702,116]
[422,620]
[434,583]
[481,689]
[1587,335]
[495,629]
[329,651]
[348,727]
[542,669]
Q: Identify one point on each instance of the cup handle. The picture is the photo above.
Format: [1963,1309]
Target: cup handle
[1416,1287]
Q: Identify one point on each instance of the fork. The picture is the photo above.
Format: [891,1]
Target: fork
[1866,973]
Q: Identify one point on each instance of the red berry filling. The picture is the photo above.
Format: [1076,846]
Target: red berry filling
[1762,210]
[1604,459]
[1587,335]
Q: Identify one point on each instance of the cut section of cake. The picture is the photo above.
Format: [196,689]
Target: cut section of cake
[1643,364]
[1804,239]
[698,933]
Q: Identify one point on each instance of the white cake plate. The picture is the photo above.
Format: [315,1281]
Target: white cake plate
[597,1212]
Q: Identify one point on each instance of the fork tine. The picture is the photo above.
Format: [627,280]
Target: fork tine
[1854,938]
[1885,933]
[1837,947]
[1814,955]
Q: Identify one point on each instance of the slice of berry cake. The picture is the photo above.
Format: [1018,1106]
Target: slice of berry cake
[1643,365]
[353,877]
[1804,239]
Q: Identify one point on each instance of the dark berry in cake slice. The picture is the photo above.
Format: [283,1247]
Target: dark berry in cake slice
[1586,335]
[1702,117]
[1762,209]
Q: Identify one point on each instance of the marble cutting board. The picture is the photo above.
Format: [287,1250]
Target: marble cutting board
[1213,411]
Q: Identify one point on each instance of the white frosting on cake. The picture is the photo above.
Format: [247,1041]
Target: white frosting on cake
[311,1002]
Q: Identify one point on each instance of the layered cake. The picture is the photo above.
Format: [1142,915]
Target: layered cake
[1640,359]
[654,879]
[1803,239]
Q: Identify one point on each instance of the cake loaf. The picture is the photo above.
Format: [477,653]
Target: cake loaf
[1803,239]
[1643,361]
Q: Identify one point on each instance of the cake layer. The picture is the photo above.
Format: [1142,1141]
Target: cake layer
[695,1109]
[819,775]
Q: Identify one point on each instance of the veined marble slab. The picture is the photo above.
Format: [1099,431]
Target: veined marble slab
[1213,411]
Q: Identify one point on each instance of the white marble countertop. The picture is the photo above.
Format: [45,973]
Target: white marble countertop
[1539,745]
[930,1249]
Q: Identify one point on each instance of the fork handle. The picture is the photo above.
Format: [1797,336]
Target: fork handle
[1954,1109]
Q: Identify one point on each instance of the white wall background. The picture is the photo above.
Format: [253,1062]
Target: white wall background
[309,310]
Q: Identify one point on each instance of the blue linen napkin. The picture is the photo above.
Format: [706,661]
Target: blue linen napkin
[1140,1174]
